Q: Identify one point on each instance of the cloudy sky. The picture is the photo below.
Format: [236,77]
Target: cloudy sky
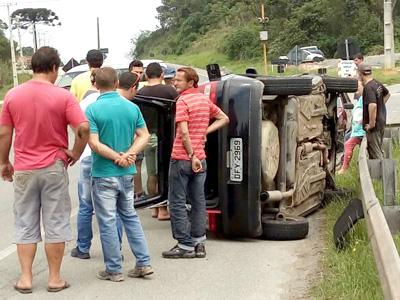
[120,21]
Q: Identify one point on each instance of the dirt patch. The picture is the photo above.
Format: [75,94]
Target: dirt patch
[307,268]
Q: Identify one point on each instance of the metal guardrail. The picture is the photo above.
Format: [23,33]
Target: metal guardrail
[386,256]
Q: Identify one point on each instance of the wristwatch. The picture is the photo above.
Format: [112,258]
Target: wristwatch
[191,155]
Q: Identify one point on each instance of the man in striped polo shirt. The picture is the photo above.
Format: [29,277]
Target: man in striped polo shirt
[187,171]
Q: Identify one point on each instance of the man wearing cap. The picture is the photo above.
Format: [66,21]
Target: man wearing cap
[82,83]
[375,96]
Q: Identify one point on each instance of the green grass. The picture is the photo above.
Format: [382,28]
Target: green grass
[392,77]
[22,77]
[204,52]
[350,273]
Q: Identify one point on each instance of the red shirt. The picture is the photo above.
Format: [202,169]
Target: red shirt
[40,113]
[197,110]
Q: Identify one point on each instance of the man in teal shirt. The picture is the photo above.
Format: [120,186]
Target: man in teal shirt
[117,133]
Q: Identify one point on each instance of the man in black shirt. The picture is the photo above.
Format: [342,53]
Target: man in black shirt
[155,88]
[375,96]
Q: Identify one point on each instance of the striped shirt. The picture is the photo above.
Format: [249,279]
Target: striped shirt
[197,110]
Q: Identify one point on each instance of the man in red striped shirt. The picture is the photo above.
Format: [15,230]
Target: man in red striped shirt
[187,172]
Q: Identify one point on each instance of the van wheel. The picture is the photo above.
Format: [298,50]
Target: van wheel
[340,85]
[287,86]
[290,228]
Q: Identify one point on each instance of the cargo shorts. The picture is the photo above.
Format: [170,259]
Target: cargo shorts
[150,153]
[42,194]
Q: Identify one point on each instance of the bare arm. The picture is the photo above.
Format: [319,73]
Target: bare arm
[101,149]
[221,120]
[187,143]
[359,91]
[6,168]
[6,133]
[141,141]
[81,138]
[372,115]
[386,98]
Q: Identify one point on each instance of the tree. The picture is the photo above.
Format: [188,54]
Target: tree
[27,17]
[5,53]
[3,26]
[27,51]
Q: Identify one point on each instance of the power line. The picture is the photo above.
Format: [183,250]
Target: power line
[8,4]
[30,2]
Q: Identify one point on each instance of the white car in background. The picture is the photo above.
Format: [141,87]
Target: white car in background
[65,79]
[313,49]
[311,56]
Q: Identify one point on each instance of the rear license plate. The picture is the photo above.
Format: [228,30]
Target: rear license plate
[236,159]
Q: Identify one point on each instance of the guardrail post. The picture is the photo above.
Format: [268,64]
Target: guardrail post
[386,255]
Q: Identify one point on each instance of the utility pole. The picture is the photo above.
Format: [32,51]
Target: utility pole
[388,34]
[21,52]
[13,62]
[264,37]
[98,33]
[35,43]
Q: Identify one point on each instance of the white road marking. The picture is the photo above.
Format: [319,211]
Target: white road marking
[13,248]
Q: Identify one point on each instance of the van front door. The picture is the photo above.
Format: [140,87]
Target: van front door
[151,180]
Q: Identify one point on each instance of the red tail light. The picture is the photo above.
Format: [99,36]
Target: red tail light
[213,215]
[210,90]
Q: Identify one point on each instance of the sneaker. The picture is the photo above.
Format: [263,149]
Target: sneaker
[177,252]
[140,272]
[79,254]
[104,275]
[200,250]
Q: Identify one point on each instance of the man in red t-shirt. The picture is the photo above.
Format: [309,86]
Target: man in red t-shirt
[40,113]
[187,171]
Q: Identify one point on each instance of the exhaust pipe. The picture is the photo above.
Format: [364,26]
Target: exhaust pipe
[275,195]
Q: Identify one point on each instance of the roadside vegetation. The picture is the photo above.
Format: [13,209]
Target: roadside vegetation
[6,80]
[234,27]
[323,23]
[350,273]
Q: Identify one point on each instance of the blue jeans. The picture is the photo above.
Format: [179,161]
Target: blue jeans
[112,195]
[85,213]
[188,228]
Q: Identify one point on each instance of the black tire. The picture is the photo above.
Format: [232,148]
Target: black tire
[318,59]
[349,217]
[287,86]
[293,228]
[340,85]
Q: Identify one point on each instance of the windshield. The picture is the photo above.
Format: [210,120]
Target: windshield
[66,79]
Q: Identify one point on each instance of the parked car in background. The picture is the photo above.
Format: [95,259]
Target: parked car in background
[313,49]
[299,55]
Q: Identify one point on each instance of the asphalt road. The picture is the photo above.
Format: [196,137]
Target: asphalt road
[393,105]
[233,269]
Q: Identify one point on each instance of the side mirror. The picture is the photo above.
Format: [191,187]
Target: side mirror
[213,72]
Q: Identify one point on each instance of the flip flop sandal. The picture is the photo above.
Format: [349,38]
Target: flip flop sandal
[58,289]
[22,290]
